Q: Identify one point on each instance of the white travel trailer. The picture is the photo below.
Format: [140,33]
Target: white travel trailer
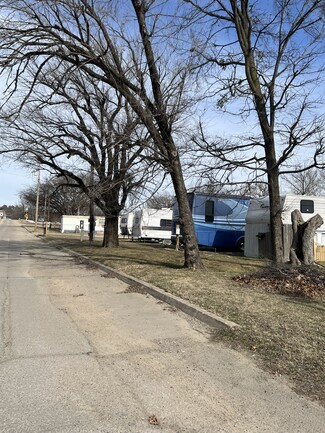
[155,224]
[126,223]
[258,220]
[75,223]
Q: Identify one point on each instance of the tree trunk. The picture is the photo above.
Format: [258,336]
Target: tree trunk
[295,250]
[275,216]
[266,123]
[110,239]
[192,259]
[302,247]
[164,138]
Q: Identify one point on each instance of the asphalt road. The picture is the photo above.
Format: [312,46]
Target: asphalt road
[79,353]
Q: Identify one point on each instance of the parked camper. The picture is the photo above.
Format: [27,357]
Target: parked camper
[126,223]
[155,224]
[257,235]
[219,220]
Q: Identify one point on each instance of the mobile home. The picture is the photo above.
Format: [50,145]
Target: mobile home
[126,223]
[219,220]
[155,224]
[257,235]
[75,223]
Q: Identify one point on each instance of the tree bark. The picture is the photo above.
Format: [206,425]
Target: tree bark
[275,216]
[110,239]
[302,247]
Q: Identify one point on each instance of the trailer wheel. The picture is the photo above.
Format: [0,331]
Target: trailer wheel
[241,245]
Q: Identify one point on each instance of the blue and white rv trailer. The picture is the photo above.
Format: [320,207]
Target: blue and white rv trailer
[219,220]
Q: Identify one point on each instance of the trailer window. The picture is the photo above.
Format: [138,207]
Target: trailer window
[209,211]
[307,206]
[166,223]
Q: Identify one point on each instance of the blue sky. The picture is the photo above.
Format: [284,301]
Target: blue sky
[13,179]
[13,176]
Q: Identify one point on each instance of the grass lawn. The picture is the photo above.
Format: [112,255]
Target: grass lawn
[284,334]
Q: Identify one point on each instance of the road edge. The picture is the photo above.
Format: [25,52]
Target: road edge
[190,309]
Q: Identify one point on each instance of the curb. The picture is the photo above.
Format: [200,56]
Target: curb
[192,310]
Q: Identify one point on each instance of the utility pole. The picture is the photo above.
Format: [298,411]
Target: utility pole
[91,206]
[45,215]
[37,198]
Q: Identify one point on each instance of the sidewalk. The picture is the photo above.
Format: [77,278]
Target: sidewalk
[191,309]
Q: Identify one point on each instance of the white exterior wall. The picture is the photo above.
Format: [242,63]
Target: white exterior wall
[292,202]
[71,223]
[126,223]
[251,240]
[119,226]
[146,223]
[137,223]
[258,219]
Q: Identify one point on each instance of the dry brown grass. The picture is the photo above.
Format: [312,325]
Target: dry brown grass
[285,334]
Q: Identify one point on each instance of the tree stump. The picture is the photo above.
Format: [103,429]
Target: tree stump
[302,247]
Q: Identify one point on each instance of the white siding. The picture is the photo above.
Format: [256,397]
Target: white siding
[71,223]
[147,223]
[258,217]
[126,223]
[251,238]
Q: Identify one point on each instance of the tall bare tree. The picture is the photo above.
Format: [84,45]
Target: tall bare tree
[75,126]
[124,47]
[270,56]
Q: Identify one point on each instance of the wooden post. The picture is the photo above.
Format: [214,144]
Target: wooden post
[177,237]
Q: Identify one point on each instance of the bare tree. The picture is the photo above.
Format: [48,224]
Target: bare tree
[159,201]
[83,133]
[270,57]
[125,48]
[14,211]
[305,182]
[64,200]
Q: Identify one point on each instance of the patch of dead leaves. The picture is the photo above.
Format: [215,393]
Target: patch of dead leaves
[135,288]
[153,420]
[303,281]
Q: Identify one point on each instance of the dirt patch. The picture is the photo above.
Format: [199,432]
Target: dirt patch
[108,275]
[135,288]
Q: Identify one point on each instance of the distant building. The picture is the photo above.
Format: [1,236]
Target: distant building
[2,214]
[73,223]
